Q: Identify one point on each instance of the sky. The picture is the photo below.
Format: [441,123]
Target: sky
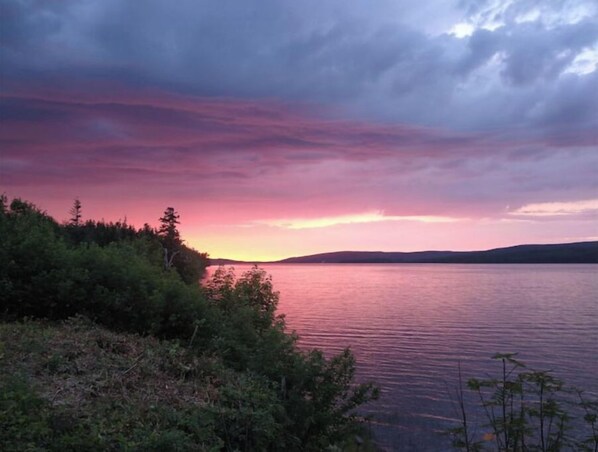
[281,128]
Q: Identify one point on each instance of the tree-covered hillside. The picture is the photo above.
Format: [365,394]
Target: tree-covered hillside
[254,389]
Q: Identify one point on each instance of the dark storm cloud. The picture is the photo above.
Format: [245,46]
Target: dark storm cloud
[384,62]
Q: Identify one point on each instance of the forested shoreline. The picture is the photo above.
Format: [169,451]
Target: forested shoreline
[109,302]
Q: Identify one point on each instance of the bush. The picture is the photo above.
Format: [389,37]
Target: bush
[527,410]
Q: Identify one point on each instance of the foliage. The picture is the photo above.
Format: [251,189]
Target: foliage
[169,236]
[168,231]
[75,213]
[525,410]
[225,338]
[101,233]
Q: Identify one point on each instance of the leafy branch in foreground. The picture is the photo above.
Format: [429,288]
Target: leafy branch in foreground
[526,410]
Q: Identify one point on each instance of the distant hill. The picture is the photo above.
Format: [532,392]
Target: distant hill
[565,253]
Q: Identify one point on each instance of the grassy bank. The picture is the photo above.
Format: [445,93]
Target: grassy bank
[78,386]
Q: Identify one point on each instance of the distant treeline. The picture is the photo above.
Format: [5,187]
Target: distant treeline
[261,391]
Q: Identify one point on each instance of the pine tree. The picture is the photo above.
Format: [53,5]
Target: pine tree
[3,203]
[169,235]
[75,213]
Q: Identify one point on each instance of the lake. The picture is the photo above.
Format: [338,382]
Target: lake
[411,326]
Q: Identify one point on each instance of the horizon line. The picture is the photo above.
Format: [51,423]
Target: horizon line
[403,252]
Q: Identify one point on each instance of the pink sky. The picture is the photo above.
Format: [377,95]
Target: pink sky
[287,128]
[268,180]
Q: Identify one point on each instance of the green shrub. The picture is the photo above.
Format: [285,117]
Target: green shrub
[526,410]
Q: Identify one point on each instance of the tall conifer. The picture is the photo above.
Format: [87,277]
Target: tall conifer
[75,213]
[169,234]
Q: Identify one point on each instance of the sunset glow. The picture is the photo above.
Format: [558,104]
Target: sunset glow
[283,130]
[373,217]
[559,208]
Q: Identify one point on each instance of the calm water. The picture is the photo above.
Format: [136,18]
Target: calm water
[410,325]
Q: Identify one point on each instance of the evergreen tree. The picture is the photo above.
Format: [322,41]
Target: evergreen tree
[75,213]
[147,231]
[3,203]
[169,235]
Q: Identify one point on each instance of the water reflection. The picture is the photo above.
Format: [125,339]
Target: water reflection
[410,325]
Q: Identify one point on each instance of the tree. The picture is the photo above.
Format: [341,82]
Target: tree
[75,213]
[3,203]
[169,235]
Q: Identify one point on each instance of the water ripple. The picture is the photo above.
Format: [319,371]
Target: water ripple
[410,326]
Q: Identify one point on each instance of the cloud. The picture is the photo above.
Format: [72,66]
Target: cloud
[584,62]
[271,159]
[395,62]
[368,217]
[163,134]
[589,206]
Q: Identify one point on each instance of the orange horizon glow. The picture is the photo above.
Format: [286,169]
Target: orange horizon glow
[232,234]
